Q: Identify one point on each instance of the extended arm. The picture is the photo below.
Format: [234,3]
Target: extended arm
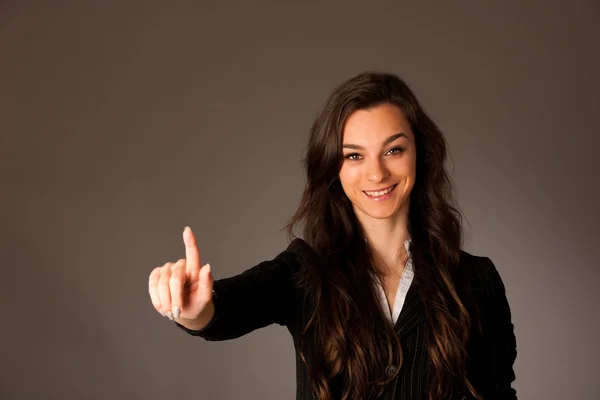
[259,296]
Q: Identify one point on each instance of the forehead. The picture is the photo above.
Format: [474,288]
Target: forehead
[373,125]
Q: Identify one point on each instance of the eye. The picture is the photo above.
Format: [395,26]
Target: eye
[397,150]
[352,156]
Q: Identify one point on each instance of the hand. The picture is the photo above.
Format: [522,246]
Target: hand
[182,289]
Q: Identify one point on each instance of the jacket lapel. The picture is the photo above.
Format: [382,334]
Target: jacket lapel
[412,313]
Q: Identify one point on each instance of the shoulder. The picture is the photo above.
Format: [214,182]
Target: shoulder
[299,246]
[478,273]
[482,290]
[300,252]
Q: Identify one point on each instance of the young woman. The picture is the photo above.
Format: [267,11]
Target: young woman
[378,296]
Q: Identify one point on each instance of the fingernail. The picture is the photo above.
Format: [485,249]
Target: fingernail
[162,313]
[175,312]
[208,268]
[170,315]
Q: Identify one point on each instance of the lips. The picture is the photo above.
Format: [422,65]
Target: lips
[389,189]
[379,190]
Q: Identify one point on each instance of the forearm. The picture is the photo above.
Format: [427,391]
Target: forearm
[258,297]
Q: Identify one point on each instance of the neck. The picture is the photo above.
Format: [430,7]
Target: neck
[386,238]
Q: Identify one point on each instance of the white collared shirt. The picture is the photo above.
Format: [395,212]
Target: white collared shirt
[405,280]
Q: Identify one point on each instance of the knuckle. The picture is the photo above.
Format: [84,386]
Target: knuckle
[163,285]
[154,274]
[178,267]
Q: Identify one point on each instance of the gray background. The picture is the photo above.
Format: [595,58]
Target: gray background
[121,123]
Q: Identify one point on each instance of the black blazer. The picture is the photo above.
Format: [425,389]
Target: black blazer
[265,294]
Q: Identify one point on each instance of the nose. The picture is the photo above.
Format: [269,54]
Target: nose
[376,171]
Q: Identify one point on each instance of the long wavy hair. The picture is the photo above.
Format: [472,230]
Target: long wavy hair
[352,343]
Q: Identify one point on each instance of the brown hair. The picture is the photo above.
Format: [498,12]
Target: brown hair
[353,343]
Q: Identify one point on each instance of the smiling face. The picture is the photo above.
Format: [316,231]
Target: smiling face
[379,155]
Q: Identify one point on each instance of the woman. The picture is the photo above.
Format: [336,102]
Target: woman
[381,301]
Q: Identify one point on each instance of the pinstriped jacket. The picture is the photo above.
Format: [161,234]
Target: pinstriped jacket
[266,294]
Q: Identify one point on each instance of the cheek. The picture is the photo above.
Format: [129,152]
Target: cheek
[411,175]
[349,178]
[405,168]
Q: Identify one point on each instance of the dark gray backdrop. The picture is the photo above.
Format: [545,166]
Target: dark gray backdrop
[121,123]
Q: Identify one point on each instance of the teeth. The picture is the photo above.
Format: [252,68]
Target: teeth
[380,193]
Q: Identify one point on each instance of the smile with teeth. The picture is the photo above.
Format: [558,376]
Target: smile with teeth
[380,192]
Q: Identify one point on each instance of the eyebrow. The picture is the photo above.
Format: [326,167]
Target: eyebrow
[385,142]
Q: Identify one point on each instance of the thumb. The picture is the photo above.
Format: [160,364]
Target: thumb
[206,282]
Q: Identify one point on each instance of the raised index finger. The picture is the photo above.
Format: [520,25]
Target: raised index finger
[192,254]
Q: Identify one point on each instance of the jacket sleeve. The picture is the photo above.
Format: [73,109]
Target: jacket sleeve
[255,298]
[500,345]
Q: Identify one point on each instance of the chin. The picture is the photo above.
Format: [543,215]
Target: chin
[381,214]
[388,211]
